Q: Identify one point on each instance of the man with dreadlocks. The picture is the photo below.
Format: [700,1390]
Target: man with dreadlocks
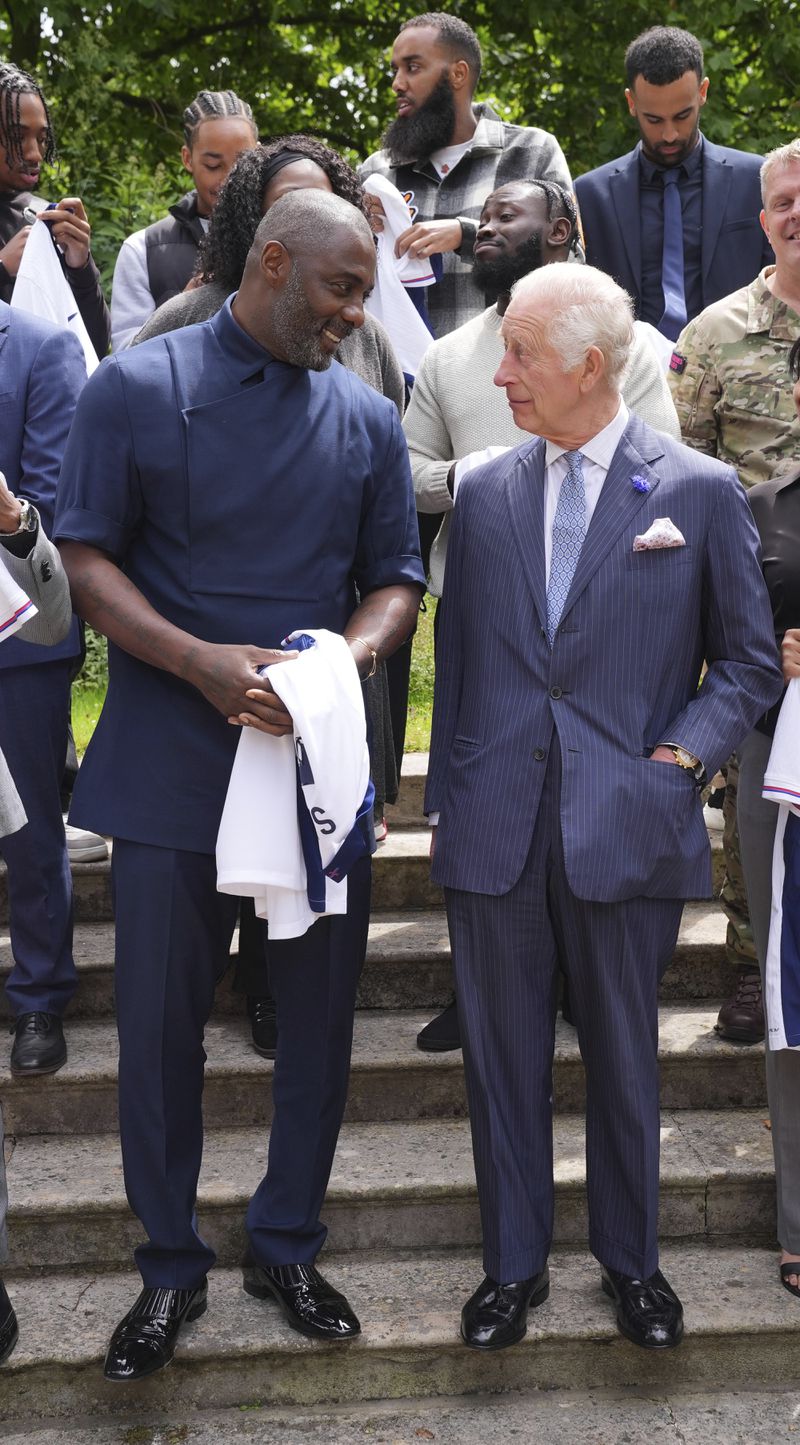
[157,263]
[27,143]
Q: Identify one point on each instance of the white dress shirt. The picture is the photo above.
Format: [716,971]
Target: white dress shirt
[597,454]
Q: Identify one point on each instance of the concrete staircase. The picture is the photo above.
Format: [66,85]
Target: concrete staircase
[402,1206]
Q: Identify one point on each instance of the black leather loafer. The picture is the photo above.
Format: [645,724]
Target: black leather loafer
[648,1311]
[497,1314]
[144,1341]
[442,1034]
[39,1046]
[263,1025]
[9,1331]
[309,1303]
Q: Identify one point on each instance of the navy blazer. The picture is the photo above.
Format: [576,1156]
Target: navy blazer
[42,372]
[733,245]
[621,678]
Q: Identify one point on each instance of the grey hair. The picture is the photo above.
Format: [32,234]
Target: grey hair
[778,160]
[303,221]
[580,307]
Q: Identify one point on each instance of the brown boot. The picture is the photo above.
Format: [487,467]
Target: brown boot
[742,1017]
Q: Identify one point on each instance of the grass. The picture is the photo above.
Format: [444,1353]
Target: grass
[420,692]
[86,705]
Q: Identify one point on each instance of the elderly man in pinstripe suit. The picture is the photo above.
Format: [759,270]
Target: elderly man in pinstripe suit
[590,572]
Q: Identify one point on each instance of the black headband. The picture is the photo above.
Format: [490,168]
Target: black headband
[284,158]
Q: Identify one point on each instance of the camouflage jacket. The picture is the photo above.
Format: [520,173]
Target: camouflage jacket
[731,386]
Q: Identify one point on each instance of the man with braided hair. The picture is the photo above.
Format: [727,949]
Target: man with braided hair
[26,144]
[157,262]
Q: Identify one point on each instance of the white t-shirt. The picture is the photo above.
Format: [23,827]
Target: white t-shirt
[446,159]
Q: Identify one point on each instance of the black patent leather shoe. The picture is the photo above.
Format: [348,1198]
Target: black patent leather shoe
[9,1331]
[497,1314]
[263,1025]
[648,1311]
[144,1341]
[309,1303]
[39,1046]
[442,1034]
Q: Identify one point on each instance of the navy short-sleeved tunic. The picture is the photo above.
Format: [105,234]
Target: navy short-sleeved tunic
[245,498]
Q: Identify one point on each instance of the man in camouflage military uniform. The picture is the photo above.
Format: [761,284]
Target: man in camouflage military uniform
[730,385]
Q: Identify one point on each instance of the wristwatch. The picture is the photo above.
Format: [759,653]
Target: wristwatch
[27,518]
[686,759]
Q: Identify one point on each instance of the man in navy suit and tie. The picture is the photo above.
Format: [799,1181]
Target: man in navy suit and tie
[675,220]
[589,574]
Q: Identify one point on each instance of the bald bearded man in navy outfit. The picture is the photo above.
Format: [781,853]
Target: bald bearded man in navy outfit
[249,486]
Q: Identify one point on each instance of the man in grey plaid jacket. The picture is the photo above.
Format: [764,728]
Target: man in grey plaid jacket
[446,154]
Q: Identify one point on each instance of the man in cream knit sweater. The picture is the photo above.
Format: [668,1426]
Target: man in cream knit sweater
[456,412]
[455,409]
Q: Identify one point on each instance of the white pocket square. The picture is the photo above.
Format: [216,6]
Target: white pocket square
[661,533]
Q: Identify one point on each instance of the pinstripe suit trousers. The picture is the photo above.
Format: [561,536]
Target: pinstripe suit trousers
[506,952]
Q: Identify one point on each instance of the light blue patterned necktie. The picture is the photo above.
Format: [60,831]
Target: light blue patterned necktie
[672,276]
[569,530]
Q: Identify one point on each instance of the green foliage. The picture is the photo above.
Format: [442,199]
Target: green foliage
[94,674]
[119,76]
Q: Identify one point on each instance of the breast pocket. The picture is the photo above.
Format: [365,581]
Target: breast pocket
[659,561]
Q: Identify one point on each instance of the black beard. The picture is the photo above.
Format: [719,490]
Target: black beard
[496,275]
[427,129]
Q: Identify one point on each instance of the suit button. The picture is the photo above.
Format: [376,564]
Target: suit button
[555,692]
[539,754]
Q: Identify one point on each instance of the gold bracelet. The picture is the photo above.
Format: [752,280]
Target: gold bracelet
[373,654]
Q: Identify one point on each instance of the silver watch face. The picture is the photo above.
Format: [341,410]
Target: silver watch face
[27,518]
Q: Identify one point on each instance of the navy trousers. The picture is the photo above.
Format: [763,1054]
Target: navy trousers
[507,951]
[173,933]
[34,724]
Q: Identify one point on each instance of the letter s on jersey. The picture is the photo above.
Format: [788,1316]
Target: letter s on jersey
[323,824]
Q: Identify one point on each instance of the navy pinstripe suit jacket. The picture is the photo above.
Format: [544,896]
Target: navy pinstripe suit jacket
[622,675]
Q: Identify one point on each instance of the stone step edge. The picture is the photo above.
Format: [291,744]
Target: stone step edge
[688,1163]
[386,1325]
[398,1050]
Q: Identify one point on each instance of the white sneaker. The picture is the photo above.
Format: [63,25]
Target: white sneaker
[83,847]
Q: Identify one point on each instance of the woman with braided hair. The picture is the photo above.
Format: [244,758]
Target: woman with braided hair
[158,262]
[26,144]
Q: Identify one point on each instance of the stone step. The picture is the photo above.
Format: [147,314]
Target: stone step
[390,1077]
[408,964]
[740,1326]
[668,1416]
[408,1183]
[407,811]
[400,878]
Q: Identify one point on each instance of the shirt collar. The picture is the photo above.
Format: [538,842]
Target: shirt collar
[768,313]
[243,355]
[600,448]
[651,169]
